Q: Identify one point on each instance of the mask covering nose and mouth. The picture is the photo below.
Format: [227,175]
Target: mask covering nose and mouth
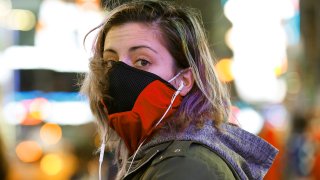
[138,102]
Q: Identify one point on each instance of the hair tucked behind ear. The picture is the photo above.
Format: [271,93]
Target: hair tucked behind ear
[183,35]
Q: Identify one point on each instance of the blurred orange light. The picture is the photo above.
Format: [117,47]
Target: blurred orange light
[50,133]
[223,68]
[40,26]
[97,2]
[36,112]
[28,151]
[282,68]
[30,120]
[51,164]
[89,4]
[36,107]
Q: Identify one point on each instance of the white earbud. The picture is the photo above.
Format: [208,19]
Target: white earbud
[181,86]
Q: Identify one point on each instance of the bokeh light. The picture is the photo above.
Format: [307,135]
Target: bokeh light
[23,20]
[37,107]
[250,120]
[276,115]
[281,67]
[259,52]
[28,151]
[50,133]
[88,4]
[33,116]
[5,7]
[51,164]
[223,68]
[228,38]
[14,112]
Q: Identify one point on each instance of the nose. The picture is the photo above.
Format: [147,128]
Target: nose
[126,60]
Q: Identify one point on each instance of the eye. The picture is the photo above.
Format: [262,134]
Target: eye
[109,59]
[109,63]
[142,63]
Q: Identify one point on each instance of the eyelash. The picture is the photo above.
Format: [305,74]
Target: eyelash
[142,60]
[108,63]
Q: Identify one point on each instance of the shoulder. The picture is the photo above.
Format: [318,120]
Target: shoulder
[188,160]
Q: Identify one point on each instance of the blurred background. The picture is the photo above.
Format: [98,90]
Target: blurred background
[268,52]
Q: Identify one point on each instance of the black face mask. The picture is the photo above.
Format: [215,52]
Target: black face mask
[125,85]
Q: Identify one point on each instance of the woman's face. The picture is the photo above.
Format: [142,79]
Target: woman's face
[139,46]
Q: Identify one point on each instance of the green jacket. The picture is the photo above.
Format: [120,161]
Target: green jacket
[180,160]
[202,153]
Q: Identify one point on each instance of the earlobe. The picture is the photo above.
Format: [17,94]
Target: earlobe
[188,81]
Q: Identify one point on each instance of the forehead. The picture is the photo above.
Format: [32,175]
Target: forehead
[133,33]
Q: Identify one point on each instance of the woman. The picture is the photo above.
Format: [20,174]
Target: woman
[158,101]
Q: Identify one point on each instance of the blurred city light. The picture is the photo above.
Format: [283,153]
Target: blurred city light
[227,38]
[50,133]
[258,84]
[19,19]
[36,108]
[5,8]
[51,164]
[224,69]
[69,113]
[28,151]
[88,4]
[259,51]
[42,56]
[5,72]
[34,116]
[250,120]
[276,115]
[281,67]
[259,10]
[59,110]
[77,20]
[58,59]
[14,112]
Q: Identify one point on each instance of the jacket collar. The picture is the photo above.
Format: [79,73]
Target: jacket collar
[250,156]
[142,158]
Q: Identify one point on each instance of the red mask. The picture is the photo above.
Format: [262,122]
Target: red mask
[139,100]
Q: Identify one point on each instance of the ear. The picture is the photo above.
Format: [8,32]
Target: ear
[188,81]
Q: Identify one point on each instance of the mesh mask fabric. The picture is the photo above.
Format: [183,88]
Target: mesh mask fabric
[125,85]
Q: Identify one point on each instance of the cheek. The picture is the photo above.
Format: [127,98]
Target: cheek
[166,71]
[164,65]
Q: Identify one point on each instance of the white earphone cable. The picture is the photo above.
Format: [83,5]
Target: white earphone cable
[102,148]
[169,107]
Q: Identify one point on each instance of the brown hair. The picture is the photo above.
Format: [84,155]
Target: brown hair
[184,37]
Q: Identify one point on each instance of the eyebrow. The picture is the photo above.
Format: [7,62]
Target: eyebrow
[134,48]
